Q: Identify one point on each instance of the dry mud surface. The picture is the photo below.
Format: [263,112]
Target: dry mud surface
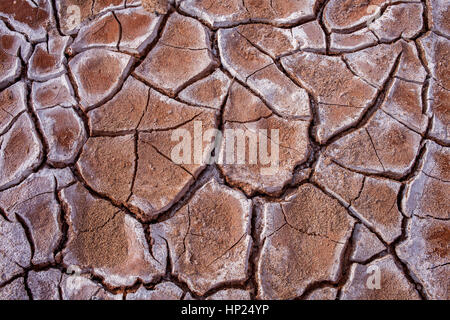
[93,207]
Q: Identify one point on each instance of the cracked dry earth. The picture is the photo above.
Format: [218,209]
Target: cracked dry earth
[92,207]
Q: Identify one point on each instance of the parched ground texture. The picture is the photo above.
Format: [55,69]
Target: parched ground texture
[92,207]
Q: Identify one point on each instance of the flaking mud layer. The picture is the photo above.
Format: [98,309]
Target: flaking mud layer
[92,206]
